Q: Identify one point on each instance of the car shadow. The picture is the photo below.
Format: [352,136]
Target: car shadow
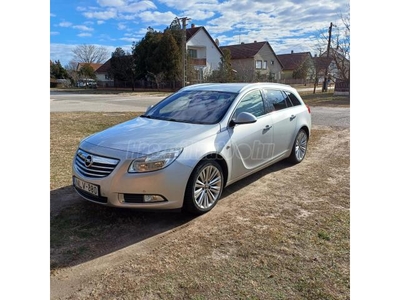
[233,188]
[81,231]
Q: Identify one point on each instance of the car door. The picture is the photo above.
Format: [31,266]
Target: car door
[283,119]
[252,144]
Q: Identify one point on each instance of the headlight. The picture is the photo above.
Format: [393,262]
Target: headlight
[154,161]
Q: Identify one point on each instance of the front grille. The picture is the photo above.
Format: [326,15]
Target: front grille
[94,166]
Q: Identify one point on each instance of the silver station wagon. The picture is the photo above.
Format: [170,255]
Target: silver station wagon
[187,148]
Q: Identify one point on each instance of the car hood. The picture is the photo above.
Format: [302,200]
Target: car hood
[145,136]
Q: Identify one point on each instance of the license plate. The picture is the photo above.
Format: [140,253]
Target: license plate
[86,186]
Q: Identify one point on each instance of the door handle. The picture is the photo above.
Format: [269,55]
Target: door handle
[292,117]
[266,128]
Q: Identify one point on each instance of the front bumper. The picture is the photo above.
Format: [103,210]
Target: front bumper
[123,189]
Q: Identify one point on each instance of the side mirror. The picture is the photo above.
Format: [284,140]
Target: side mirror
[244,118]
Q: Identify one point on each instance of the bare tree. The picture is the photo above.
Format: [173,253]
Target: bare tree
[90,54]
[339,50]
[72,71]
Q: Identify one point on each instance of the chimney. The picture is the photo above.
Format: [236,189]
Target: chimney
[255,41]
[292,52]
[193,25]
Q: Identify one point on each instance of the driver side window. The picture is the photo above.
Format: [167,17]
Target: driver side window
[252,103]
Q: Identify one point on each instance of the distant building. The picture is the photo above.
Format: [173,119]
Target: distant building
[255,62]
[297,67]
[204,53]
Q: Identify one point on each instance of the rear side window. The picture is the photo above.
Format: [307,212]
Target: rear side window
[293,99]
[276,99]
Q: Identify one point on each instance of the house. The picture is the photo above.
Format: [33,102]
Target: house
[297,67]
[204,53]
[325,66]
[255,62]
[341,67]
[83,78]
[104,79]
[95,66]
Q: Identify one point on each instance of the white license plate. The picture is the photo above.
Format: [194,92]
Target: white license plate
[86,186]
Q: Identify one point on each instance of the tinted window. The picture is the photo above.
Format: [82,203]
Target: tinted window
[276,99]
[293,99]
[251,103]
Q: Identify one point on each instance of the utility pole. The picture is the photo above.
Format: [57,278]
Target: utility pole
[325,85]
[184,23]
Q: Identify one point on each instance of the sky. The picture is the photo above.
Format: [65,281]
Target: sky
[287,25]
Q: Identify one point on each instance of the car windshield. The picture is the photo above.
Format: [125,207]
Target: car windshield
[197,107]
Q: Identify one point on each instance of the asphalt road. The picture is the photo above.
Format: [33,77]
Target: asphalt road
[69,102]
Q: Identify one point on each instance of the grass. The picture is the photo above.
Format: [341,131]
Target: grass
[67,130]
[326,99]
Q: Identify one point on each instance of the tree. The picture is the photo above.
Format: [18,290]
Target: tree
[225,72]
[169,54]
[305,70]
[71,69]
[57,71]
[122,67]
[90,54]
[145,54]
[86,72]
[339,50]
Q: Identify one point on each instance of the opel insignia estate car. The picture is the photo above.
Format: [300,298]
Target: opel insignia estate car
[187,148]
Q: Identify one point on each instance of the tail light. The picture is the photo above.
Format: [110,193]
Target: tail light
[309,110]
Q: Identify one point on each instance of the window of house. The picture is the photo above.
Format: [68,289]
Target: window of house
[192,53]
[272,62]
[264,64]
[258,64]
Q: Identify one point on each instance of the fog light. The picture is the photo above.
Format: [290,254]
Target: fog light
[153,198]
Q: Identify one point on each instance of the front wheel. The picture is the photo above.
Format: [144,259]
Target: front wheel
[204,187]
[299,147]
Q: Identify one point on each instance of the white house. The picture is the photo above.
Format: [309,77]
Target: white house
[204,53]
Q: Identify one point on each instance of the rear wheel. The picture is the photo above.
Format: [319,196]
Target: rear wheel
[299,149]
[204,187]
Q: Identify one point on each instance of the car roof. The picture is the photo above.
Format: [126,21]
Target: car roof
[235,87]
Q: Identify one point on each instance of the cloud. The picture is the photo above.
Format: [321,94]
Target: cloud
[65,24]
[211,5]
[82,27]
[102,15]
[121,26]
[113,3]
[84,34]
[157,18]
[54,33]
[199,14]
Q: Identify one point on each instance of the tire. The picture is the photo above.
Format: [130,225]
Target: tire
[204,187]
[299,149]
